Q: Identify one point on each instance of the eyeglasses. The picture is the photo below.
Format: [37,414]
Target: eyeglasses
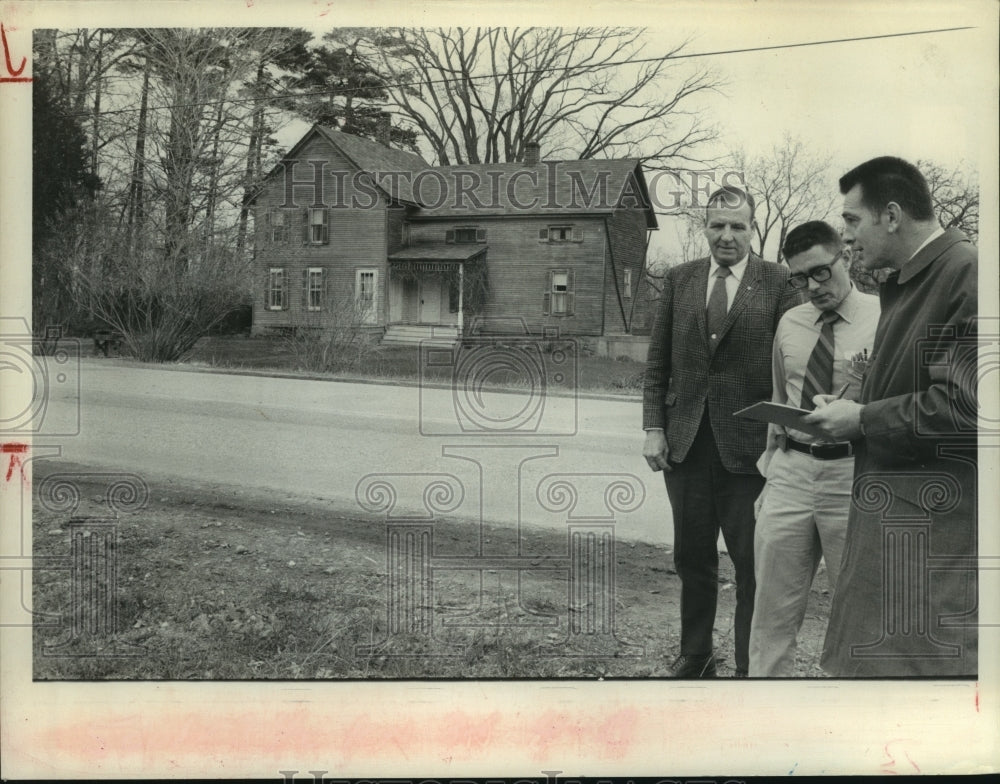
[818,274]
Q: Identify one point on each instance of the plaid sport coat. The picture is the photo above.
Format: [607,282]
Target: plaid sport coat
[683,374]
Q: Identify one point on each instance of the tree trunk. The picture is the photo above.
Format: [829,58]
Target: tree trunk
[252,171]
[136,193]
[97,106]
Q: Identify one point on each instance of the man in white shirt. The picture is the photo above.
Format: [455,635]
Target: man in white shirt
[710,356]
[819,348]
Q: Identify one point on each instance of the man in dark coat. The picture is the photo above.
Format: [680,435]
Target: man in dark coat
[710,355]
[906,601]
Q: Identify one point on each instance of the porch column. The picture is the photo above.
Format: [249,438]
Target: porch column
[461,294]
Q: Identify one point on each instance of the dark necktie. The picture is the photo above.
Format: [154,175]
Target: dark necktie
[819,370]
[715,314]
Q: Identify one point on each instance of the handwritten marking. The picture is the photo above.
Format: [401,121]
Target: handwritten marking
[15,450]
[14,73]
[889,767]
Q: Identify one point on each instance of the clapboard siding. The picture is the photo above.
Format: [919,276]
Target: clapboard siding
[519,263]
[358,238]
[627,245]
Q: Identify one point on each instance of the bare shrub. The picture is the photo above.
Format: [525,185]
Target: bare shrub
[341,342]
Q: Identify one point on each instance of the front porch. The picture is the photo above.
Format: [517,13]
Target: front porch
[432,290]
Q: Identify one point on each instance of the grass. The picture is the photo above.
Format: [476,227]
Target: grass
[214,586]
[402,364]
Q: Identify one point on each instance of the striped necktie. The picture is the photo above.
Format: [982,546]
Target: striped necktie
[718,304]
[819,370]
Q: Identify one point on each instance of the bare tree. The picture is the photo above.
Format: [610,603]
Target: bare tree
[155,255]
[955,193]
[479,95]
[791,185]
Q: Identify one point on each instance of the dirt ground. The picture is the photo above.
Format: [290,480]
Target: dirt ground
[219,583]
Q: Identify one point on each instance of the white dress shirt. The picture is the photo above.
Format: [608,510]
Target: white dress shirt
[732,282]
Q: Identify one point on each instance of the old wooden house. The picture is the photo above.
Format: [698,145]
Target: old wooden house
[348,228]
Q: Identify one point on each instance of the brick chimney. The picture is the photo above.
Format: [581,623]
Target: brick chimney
[532,153]
[383,129]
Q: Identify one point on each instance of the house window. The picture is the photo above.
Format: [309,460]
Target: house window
[566,233]
[316,226]
[314,288]
[365,283]
[465,235]
[276,290]
[277,226]
[628,284]
[559,298]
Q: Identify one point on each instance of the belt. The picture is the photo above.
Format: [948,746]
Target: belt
[822,451]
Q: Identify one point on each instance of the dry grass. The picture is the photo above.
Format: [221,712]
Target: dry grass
[215,587]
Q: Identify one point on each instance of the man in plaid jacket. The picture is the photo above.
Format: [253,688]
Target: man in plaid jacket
[710,355]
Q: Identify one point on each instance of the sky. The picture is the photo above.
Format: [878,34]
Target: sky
[929,96]
[911,96]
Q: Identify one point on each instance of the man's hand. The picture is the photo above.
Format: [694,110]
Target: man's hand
[656,451]
[840,420]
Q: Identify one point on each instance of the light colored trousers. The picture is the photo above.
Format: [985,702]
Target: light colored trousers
[803,517]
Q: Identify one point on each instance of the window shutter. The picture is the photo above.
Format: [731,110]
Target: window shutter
[547,299]
[305,289]
[570,292]
[322,288]
[326,226]
[284,290]
[543,236]
[305,225]
[480,235]
[267,289]
[578,234]
[449,235]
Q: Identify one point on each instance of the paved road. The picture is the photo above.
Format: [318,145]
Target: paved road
[319,439]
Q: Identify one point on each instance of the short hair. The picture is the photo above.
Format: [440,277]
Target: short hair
[887,179]
[810,234]
[733,197]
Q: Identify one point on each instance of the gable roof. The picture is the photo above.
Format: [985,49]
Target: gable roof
[367,156]
[375,158]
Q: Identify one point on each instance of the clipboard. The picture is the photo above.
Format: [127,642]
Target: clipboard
[780,414]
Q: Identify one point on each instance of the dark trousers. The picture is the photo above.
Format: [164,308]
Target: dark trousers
[705,498]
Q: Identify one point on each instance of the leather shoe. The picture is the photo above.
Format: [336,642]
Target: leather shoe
[691,667]
[741,674]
